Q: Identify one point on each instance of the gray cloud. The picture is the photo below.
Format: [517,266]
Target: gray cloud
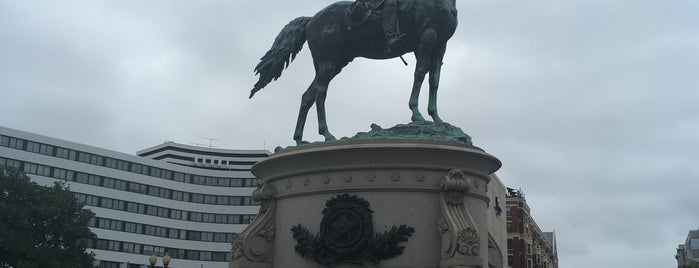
[591,105]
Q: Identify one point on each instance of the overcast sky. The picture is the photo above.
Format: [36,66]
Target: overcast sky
[591,105]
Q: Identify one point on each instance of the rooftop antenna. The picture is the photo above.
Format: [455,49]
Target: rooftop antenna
[211,141]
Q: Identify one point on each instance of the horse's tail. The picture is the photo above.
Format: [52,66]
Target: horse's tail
[287,44]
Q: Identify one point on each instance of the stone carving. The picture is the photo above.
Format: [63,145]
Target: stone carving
[460,239]
[427,27]
[253,247]
[371,177]
[468,242]
[347,236]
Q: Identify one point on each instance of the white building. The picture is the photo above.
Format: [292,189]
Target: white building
[188,201]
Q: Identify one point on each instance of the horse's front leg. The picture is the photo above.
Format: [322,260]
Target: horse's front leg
[435,69]
[422,56]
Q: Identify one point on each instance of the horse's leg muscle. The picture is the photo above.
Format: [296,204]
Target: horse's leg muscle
[422,54]
[435,69]
[325,72]
[306,102]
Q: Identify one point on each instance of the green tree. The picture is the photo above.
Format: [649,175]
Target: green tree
[41,226]
[690,264]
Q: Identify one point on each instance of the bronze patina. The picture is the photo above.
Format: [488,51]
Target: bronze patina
[371,29]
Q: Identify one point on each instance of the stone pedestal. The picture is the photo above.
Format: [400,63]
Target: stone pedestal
[437,190]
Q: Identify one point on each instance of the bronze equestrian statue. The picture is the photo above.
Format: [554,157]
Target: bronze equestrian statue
[346,30]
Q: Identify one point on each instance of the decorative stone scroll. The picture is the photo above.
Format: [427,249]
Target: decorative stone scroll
[460,239]
[253,247]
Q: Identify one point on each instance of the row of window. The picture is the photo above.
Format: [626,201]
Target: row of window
[134,248]
[138,228]
[539,263]
[89,158]
[216,162]
[133,207]
[111,264]
[118,184]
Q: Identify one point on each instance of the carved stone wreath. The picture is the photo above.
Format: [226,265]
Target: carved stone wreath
[347,235]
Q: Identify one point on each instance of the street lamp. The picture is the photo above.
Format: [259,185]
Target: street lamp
[166,260]
[153,259]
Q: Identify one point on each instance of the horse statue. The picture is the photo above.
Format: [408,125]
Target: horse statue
[335,39]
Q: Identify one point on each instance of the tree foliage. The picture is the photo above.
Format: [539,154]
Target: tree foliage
[41,226]
[690,264]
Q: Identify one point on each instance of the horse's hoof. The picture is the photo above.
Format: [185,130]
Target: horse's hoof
[437,120]
[301,142]
[330,137]
[417,118]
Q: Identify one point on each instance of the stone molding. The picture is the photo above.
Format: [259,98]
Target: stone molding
[460,239]
[253,247]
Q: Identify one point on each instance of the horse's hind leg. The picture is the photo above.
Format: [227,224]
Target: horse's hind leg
[325,71]
[422,54]
[435,69]
[306,102]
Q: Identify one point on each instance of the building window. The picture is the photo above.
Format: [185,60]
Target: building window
[192,255]
[108,264]
[210,199]
[173,233]
[130,248]
[195,216]
[694,243]
[133,227]
[509,227]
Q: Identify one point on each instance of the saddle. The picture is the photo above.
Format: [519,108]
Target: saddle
[363,11]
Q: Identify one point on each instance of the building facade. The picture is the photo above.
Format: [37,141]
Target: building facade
[188,201]
[689,251]
[497,233]
[527,245]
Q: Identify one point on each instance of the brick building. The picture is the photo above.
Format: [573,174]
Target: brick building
[527,245]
